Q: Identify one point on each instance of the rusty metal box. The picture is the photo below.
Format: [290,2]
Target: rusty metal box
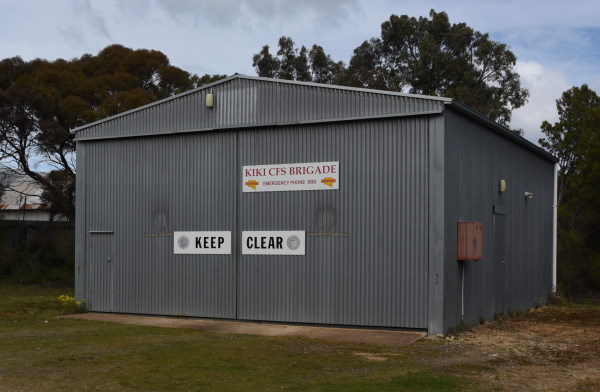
[469,245]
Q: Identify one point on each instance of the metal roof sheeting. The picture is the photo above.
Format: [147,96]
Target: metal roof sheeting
[242,101]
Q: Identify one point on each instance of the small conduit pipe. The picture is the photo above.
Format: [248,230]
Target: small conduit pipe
[554,227]
[462,294]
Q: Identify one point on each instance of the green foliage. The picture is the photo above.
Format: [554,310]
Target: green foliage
[60,195]
[47,257]
[198,81]
[301,64]
[434,57]
[367,68]
[422,56]
[71,304]
[518,131]
[557,299]
[3,181]
[41,101]
[575,140]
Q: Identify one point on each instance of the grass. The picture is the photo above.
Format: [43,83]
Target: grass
[39,351]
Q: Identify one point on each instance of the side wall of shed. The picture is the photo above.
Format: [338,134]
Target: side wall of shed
[80,223]
[515,272]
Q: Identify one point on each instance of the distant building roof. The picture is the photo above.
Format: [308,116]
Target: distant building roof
[20,193]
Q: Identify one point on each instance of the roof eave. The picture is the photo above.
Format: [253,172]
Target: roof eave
[155,103]
[348,88]
[505,132]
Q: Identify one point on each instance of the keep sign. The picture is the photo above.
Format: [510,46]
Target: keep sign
[202,242]
[273,243]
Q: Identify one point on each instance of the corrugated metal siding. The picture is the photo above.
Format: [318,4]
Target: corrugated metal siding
[476,160]
[145,189]
[243,102]
[80,229]
[437,258]
[377,275]
[100,272]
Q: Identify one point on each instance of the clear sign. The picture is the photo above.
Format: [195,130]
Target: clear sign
[313,176]
[202,242]
[273,243]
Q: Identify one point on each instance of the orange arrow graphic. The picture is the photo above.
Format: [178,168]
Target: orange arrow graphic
[328,181]
[252,184]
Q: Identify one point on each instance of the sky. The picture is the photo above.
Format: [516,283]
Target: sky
[557,43]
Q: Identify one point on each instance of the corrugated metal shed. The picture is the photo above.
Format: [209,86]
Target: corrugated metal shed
[378,250]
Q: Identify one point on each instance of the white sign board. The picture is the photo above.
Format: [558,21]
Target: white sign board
[273,243]
[202,242]
[321,176]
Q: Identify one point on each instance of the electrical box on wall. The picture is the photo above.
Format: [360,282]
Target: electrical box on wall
[469,236]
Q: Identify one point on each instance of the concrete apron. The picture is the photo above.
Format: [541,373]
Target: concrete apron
[353,335]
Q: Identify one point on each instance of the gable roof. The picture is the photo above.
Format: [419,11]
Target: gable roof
[242,101]
[246,101]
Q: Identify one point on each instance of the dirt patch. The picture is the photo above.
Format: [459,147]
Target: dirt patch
[369,336]
[551,348]
[554,348]
[372,357]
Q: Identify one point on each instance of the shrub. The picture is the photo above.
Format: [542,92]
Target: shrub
[70,304]
[47,257]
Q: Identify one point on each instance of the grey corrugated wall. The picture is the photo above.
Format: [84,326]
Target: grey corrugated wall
[142,190]
[475,161]
[375,274]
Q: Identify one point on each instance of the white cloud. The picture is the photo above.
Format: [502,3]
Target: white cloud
[73,36]
[251,13]
[94,17]
[556,49]
[545,87]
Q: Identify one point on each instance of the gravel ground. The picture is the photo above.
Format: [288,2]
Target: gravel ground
[554,348]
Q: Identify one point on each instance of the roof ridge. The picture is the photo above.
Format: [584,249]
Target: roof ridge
[262,79]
